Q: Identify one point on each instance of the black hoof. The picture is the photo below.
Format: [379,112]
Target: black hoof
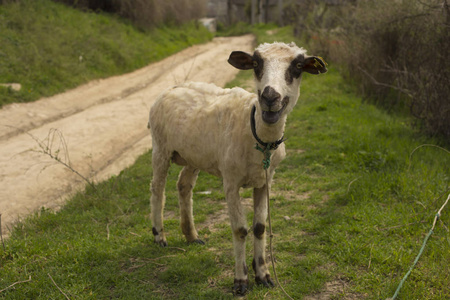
[162,243]
[198,241]
[266,281]
[240,287]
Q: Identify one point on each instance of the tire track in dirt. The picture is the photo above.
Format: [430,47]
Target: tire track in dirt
[102,123]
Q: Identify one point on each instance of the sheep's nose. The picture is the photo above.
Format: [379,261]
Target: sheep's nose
[269,96]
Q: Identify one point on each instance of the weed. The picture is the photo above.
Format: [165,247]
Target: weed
[55,146]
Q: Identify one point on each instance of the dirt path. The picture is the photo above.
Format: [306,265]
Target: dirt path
[101,126]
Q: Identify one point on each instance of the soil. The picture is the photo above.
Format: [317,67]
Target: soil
[98,129]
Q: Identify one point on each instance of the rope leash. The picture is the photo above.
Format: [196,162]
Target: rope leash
[436,218]
[266,164]
[271,236]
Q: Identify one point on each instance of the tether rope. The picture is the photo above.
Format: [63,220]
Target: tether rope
[271,236]
[436,218]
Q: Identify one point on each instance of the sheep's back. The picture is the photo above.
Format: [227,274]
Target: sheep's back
[202,122]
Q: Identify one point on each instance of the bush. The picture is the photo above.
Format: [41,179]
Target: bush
[403,47]
[147,13]
[396,51]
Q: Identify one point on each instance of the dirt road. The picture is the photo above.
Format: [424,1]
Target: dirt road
[100,128]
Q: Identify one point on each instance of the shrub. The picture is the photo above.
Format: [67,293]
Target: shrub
[396,51]
[147,13]
[402,46]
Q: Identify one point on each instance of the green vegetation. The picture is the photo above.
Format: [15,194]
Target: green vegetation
[359,206]
[359,193]
[49,47]
[395,51]
[147,14]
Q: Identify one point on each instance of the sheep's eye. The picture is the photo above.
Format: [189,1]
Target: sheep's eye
[298,65]
[255,64]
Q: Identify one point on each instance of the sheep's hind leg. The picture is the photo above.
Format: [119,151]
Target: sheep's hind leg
[262,275]
[186,182]
[161,163]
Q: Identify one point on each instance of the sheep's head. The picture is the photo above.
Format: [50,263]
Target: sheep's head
[278,69]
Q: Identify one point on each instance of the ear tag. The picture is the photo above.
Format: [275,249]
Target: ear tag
[316,62]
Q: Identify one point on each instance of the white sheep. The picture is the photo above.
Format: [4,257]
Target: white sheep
[203,127]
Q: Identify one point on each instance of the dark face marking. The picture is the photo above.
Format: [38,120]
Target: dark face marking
[295,69]
[154,231]
[258,65]
[258,231]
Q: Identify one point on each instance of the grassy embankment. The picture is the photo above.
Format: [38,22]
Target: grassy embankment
[48,47]
[359,206]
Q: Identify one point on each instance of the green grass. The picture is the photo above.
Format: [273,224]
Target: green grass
[359,210]
[48,47]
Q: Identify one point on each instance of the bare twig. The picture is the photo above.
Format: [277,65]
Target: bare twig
[376,82]
[370,258]
[351,182]
[176,248]
[58,286]
[18,282]
[107,231]
[408,17]
[190,69]
[144,264]
[47,148]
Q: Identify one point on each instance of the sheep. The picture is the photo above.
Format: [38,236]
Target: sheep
[203,127]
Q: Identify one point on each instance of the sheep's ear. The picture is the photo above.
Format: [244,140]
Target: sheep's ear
[315,65]
[241,60]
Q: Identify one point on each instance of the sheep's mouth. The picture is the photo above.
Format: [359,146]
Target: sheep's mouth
[271,117]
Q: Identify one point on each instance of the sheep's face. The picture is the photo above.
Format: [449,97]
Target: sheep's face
[278,69]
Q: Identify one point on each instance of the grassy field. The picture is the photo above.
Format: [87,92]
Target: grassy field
[351,205]
[48,47]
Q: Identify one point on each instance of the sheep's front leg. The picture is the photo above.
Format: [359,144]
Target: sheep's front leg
[239,228]
[262,275]
[185,184]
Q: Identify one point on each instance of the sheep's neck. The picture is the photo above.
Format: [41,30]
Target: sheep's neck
[269,133]
[270,145]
